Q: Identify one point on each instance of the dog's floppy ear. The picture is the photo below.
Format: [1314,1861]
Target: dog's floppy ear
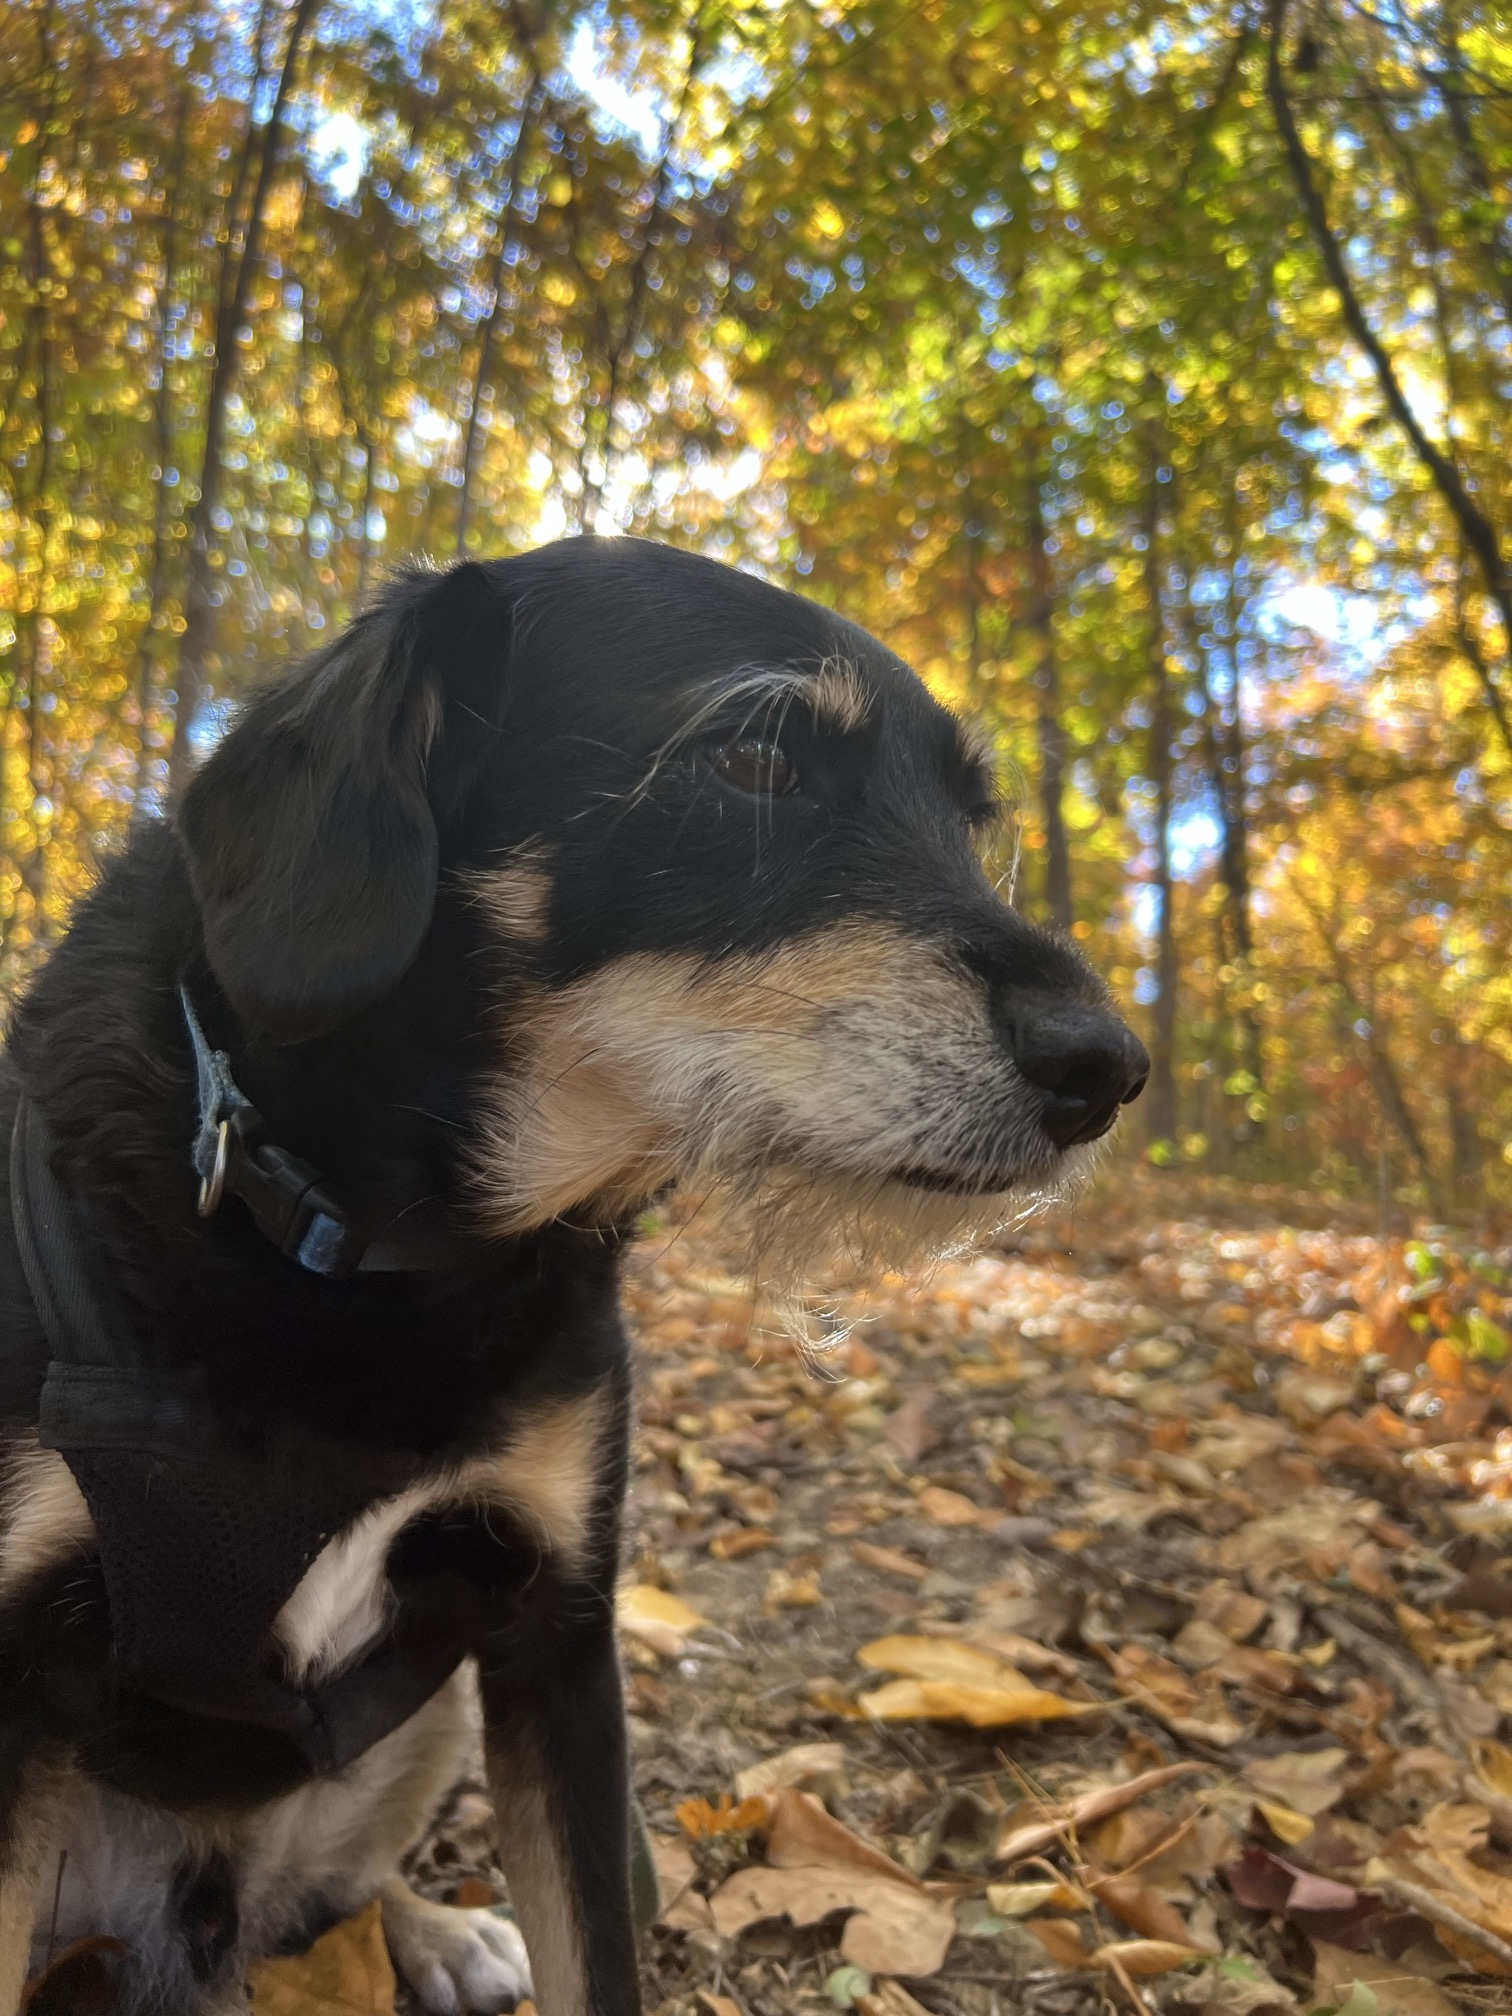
[309,833]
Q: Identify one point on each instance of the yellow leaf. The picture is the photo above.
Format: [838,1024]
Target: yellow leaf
[347,1972]
[981,1707]
[941,1659]
[1493,1763]
[1284,1821]
[657,1618]
[1017,1900]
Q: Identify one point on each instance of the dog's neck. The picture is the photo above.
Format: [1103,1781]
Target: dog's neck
[101,1045]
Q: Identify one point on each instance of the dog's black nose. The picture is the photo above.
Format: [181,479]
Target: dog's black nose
[1087,1064]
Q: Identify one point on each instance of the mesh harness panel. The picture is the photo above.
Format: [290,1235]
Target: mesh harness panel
[200,1546]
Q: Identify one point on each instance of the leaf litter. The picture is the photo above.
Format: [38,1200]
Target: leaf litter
[1116,1620]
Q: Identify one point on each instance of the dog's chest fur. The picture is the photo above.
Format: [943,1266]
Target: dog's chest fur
[543,1479]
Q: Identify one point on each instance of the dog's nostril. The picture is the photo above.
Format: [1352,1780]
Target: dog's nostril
[1086,1063]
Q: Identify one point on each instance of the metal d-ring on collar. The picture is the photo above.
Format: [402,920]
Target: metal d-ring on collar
[291,1203]
[288,1199]
[213,1187]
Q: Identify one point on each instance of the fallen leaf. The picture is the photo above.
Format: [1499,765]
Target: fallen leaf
[978,1707]
[1018,1900]
[82,1980]
[1190,1708]
[910,1430]
[657,1618]
[811,1767]
[1236,1985]
[719,2005]
[703,1820]
[1061,1940]
[1136,1905]
[889,1998]
[890,1929]
[1142,1957]
[816,1866]
[1285,1822]
[347,1972]
[1308,1781]
[1397,1992]
[946,1680]
[736,1546]
[787,1591]
[888,1561]
[950,1508]
[1068,1818]
[682,1907]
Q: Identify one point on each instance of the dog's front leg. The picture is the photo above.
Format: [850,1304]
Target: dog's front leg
[555,1734]
[27,1826]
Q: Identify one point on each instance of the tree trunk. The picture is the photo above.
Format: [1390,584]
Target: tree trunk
[1477,530]
[1160,1100]
[482,384]
[237,275]
[640,273]
[1049,728]
[162,440]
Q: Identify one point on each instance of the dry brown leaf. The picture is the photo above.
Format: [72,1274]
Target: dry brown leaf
[1308,1781]
[657,1618]
[816,1866]
[1397,1992]
[889,1998]
[888,1561]
[811,1767]
[1072,1816]
[1189,1707]
[682,1908]
[1136,1905]
[1061,1940]
[1142,1957]
[1234,1612]
[347,1972]
[891,1929]
[950,1508]
[719,2005]
[803,1836]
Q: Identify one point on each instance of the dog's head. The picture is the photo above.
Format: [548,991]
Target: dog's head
[720,849]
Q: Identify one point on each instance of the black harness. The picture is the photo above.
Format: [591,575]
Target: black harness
[201,1544]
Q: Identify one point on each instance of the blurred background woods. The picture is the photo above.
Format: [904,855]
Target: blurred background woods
[1140,371]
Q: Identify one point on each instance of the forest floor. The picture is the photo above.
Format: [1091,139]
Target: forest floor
[1120,1619]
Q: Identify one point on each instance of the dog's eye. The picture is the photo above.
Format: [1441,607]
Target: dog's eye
[752,764]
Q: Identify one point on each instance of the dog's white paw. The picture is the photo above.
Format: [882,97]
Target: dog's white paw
[458,1962]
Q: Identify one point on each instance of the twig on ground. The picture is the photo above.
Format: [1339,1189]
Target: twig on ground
[1432,1907]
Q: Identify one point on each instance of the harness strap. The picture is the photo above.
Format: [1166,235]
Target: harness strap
[200,1544]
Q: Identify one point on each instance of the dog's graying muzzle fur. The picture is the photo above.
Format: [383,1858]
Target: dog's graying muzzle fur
[555,882]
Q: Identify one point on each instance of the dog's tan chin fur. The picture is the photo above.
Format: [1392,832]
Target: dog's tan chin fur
[811,1235]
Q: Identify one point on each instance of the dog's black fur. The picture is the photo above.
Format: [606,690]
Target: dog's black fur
[317,891]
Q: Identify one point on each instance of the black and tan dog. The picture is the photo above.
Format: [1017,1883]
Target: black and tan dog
[555,881]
